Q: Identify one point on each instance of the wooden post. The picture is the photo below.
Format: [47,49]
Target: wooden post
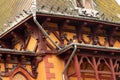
[77,68]
[95,69]
[112,69]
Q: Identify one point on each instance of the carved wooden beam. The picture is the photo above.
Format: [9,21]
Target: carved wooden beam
[95,67]
[49,45]
[18,37]
[45,24]
[34,64]
[111,36]
[56,35]
[61,32]
[61,35]
[79,31]
[81,34]
[9,54]
[94,31]
[104,34]
[34,32]
[27,41]
[32,29]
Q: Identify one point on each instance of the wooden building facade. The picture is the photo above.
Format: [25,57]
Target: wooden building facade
[61,47]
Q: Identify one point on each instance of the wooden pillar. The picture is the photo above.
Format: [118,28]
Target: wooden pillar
[77,68]
[95,69]
[112,69]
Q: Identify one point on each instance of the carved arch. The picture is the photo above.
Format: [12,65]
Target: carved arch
[21,71]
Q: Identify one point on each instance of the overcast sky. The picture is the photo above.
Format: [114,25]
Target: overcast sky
[118,1]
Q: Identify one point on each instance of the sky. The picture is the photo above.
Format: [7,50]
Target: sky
[118,1]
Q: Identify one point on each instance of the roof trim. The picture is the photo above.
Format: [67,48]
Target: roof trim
[79,18]
[15,26]
[89,47]
[60,16]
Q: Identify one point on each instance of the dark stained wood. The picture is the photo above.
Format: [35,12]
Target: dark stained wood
[94,31]
[19,38]
[79,31]
[3,44]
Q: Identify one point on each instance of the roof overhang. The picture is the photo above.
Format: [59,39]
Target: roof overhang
[89,47]
[53,16]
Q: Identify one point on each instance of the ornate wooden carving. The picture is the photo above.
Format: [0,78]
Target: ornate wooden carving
[113,63]
[60,28]
[20,38]
[62,35]
[95,62]
[32,30]
[94,31]
[80,32]
[87,42]
[21,62]
[111,36]
[105,42]
[37,34]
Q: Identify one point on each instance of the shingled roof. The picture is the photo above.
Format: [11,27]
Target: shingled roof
[10,9]
[110,8]
[14,11]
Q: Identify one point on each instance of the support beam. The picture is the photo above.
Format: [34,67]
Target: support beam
[77,67]
[95,32]
[61,28]
[95,68]
[111,36]
[20,38]
[112,69]
[79,31]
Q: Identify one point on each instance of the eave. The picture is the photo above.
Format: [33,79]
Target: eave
[16,52]
[72,19]
[67,17]
[89,47]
